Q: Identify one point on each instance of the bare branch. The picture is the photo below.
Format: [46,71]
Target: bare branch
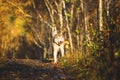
[37,44]
[33,3]
[39,15]
[25,14]
[56,4]
[38,38]
[51,11]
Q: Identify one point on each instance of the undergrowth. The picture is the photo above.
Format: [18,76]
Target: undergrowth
[88,67]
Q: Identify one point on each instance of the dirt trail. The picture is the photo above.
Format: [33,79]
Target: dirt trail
[24,69]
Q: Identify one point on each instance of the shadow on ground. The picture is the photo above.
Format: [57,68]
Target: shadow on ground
[29,70]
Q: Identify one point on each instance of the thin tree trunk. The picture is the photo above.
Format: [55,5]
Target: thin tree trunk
[67,26]
[51,11]
[78,28]
[108,7]
[108,10]
[82,35]
[101,15]
[60,13]
[100,24]
[85,36]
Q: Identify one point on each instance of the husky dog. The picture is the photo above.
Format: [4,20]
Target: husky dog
[58,44]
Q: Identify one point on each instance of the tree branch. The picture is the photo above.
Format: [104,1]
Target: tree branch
[39,15]
[25,14]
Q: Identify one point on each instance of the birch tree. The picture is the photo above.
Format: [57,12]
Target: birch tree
[59,7]
[108,7]
[55,17]
[67,25]
[101,15]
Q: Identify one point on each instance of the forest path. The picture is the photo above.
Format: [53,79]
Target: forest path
[26,69]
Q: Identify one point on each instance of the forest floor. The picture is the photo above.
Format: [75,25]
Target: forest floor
[27,69]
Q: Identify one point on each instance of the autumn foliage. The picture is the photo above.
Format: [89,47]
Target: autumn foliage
[91,53]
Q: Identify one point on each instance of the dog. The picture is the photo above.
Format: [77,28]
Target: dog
[58,45]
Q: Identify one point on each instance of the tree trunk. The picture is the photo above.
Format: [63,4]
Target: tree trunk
[68,28]
[101,15]
[60,13]
[108,7]
[78,36]
[85,23]
[51,11]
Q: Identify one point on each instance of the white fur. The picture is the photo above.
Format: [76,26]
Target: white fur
[56,47]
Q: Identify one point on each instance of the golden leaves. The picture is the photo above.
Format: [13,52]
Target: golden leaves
[17,28]
[29,38]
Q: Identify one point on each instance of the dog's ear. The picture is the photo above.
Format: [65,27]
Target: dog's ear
[54,29]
